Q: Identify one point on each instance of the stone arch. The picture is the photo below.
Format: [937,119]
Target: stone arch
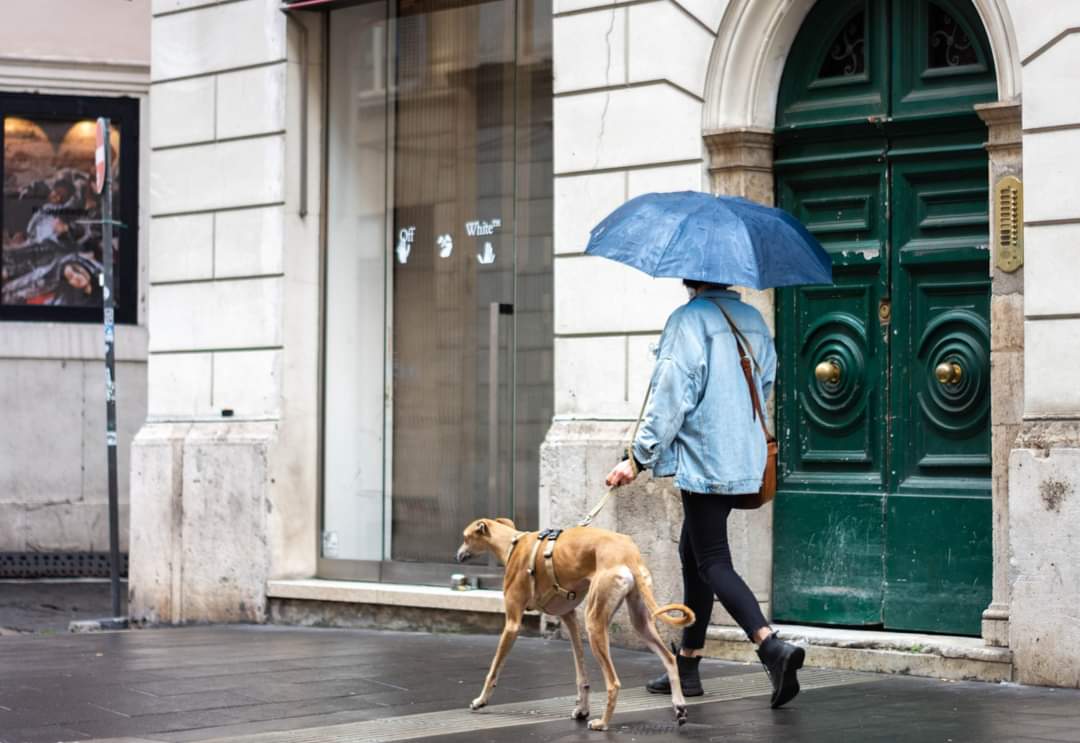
[753,42]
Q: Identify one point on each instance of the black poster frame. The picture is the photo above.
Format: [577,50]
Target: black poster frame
[122,112]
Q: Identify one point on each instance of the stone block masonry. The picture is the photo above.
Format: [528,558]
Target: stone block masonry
[225,468]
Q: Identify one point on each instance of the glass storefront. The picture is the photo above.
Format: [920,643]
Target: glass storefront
[438,332]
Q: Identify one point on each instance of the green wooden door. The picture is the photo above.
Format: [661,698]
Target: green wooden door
[883,514]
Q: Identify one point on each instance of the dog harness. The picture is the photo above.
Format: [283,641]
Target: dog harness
[548,535]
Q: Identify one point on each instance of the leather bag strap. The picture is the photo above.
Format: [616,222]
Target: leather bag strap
[748,374]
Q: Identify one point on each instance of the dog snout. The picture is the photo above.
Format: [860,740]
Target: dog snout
[463,554]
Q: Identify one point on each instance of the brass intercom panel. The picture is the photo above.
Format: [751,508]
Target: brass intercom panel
[1009,199]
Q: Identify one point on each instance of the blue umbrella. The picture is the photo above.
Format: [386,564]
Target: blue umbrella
[718,239]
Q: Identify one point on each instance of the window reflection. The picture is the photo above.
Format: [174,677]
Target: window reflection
[461,233]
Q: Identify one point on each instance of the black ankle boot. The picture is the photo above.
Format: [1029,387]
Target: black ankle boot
[688,675]
[781,660]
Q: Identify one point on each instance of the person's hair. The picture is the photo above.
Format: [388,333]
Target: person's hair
[694,284]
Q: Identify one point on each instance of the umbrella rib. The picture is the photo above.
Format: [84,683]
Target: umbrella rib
[757,261]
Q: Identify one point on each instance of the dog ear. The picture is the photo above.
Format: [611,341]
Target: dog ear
[481,527]
[506,522]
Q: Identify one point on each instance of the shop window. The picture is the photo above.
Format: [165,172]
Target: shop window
[439,294]
[50,213]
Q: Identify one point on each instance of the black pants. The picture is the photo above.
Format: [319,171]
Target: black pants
[707,569]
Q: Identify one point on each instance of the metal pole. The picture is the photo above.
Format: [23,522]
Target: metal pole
[493,408]
[110,369]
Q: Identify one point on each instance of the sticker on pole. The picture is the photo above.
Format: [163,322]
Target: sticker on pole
[99,153]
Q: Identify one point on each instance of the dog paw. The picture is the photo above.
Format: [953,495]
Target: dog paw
[580,713]
[597,724]
[477,703]
[680,714]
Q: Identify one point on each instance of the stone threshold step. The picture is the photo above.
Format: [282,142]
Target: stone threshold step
[386,594]
[936,656]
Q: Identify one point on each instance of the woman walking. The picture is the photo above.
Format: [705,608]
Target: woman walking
[700,426]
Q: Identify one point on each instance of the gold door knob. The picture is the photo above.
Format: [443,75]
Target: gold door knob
[948,372]
[827,372]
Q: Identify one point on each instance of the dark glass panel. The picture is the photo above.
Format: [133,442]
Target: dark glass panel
[439,234]
[847,53]
[948,44]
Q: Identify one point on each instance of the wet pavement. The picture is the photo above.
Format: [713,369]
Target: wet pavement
[258,683]
[47,606]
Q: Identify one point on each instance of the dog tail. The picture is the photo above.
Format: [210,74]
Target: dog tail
[663,613]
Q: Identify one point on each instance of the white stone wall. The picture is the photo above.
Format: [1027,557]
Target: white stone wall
[226,465]
[53,480]
[628,87]
[217,209]
[1044,472]
[53,477]
[77,30]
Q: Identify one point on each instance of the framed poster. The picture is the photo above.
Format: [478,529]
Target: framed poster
[50,211]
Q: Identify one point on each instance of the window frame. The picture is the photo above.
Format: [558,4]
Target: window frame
[122,111]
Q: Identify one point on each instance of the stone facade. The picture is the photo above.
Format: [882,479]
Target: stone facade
[53,477]
[1034,379]
[649,96]
[226,463]
[1044,466]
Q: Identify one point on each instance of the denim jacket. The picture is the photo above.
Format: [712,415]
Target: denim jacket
[699,424]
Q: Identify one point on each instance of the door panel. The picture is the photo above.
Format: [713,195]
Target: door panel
[882,515]
[938,523]
[941,59]
[828,564]
[940,229]
[843,76]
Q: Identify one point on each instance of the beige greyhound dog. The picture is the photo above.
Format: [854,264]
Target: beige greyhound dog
[602,564]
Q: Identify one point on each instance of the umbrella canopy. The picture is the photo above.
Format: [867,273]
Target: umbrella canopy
[718,239]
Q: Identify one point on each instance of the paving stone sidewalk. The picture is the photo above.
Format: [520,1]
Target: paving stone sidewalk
[201,683]
[47,607]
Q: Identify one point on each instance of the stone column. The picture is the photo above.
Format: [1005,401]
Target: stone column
[741,163]
[224,473]
[1006,360]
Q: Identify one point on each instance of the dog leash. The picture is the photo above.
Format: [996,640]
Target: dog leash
[630,453]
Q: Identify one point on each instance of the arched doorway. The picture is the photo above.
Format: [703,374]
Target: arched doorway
[884,514]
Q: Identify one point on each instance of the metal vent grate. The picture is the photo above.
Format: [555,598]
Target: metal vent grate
[58,565]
